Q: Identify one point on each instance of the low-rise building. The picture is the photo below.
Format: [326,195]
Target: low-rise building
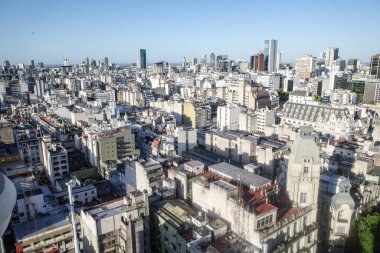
[330,121]
[44,233]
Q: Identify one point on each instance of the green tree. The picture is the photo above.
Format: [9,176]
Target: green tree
[366,233]
[283,96]
[359,97]
[317,98]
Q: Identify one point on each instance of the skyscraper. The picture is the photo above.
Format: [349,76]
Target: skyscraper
[32,64]
[374,69]
[212,60]
[257,62]
[141,58]
[106,63]
[204,59]
[331,55]
[270,55]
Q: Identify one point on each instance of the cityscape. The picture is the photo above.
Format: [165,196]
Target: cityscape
[191,149]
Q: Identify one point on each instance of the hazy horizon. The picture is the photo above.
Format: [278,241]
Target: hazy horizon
[49,31]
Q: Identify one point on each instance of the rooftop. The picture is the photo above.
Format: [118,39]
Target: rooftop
[194,163]
[175,212]
[234,173]
[108,209]
[42,225]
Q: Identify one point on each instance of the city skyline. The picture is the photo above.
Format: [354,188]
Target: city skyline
[51,31]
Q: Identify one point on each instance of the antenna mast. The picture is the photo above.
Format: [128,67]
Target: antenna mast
[70,186]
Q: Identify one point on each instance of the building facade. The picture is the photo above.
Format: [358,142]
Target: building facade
[117,226]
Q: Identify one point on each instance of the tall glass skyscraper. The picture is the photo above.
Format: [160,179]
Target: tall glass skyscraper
[212,60]
[374,68]
[270,55]
[141,58]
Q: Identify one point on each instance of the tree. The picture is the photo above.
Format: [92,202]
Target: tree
[317,98]
[283,96]
[366,232]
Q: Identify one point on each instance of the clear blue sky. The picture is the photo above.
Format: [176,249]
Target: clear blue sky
[51,30]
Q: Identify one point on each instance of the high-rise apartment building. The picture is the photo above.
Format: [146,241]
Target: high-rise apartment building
[305,65]
[141,58]
[331,55]
[374,69]
[270,55]
[54,159]
[197,114]
[116,144]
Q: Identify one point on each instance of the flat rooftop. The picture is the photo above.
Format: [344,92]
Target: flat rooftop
[107,209]
[42,225]
[88,187]
[226,186]
[195,163]
[249,179]
[175,212]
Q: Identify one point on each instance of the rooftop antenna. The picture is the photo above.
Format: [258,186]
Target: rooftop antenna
[70,186]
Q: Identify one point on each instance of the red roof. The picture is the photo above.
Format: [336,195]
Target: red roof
[265,208]
[256,199]
[287,213]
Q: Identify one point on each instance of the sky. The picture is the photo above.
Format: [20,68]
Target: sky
[49,31]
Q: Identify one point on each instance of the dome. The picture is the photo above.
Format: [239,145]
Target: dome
[343,196]
[7,200]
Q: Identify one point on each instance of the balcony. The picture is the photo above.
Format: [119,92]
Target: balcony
[280,225]
[292,240]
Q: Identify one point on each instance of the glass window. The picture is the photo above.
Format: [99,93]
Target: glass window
[303,197]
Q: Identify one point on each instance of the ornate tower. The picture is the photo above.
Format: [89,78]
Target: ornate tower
[303,170]
[341,210]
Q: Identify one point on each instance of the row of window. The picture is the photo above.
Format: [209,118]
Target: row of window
[265,221]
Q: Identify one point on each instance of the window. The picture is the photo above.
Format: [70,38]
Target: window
[305,170]
[303,197]
[305,221]
[264,221]
[341,230]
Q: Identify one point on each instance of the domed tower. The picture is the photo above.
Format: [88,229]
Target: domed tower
[341,210]
[303,170]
